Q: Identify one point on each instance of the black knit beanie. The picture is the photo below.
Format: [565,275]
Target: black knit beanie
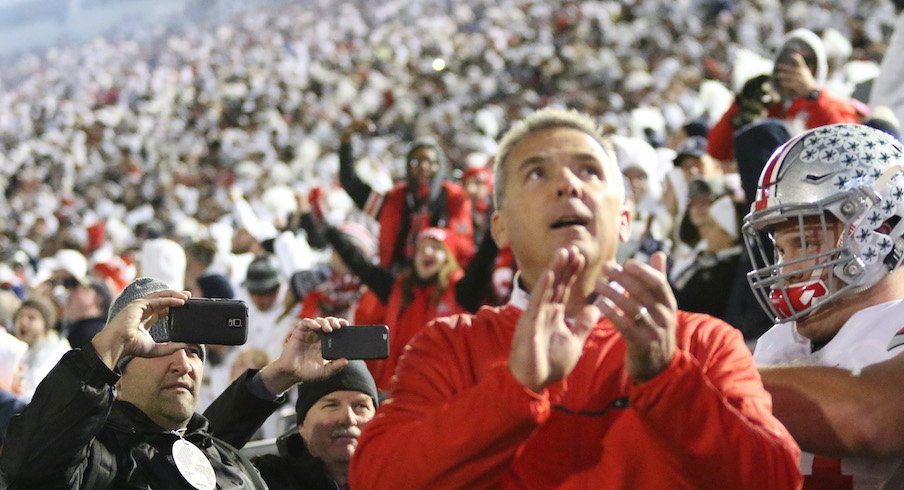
[355,377]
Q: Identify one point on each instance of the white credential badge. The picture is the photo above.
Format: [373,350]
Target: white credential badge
[193,465]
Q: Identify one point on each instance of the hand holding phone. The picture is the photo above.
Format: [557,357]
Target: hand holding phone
[356,342]
[209,321]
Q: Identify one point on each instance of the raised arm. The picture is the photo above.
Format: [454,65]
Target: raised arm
[827,109]
[378,279]
[454,432]
[704,402]
[712,411]
[240,410]
[471,289]
[441,427]
[308,219]
[237,413]
[356,188]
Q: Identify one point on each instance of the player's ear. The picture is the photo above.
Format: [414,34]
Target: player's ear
[498,229]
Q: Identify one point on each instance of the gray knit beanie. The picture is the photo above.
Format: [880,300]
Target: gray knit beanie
[137,289]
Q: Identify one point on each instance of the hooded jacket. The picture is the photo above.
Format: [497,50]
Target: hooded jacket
[824,110]
[465,292]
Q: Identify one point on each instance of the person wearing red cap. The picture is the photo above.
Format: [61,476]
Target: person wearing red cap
[116,272]
[97,236]
[431,286]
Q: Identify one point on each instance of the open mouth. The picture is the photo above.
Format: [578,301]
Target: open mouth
[567,221]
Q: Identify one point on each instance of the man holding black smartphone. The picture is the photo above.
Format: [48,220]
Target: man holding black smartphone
[74,434]
[331,415]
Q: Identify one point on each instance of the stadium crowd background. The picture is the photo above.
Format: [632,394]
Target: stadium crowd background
[160,132]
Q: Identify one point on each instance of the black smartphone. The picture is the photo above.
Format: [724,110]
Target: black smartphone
[356,342]
[209,321]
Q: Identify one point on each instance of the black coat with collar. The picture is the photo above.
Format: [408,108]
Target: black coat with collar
[74,434]
[294,468]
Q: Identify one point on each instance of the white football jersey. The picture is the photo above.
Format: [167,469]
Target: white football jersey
[870,336]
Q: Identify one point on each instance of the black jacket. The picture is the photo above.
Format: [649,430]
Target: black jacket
[9,405]
[294,468]
[82,331]
[705,286]
[74,435]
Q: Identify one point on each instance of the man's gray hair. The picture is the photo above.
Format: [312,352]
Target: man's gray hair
[543,119]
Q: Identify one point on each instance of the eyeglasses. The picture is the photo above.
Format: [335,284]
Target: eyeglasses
[70,282]
[424,163]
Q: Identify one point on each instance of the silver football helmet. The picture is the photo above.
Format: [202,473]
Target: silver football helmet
[845,173]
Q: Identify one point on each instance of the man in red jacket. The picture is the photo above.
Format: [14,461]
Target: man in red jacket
[589,377]
[800,72]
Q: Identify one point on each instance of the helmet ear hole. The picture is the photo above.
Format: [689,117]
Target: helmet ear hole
[888,226]
[893,260]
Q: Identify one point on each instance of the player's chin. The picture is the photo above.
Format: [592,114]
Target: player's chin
[809,326]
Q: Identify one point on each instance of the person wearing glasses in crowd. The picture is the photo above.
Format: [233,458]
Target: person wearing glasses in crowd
[426,198]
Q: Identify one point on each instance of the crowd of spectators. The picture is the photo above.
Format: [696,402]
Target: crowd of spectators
[217,136]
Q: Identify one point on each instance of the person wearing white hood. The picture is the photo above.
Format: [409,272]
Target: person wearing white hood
[650,220]
[887,89]
[163,259]
[798,76]
[12,352]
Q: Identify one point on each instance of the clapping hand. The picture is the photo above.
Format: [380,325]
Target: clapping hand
[545,348]
[642,307]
